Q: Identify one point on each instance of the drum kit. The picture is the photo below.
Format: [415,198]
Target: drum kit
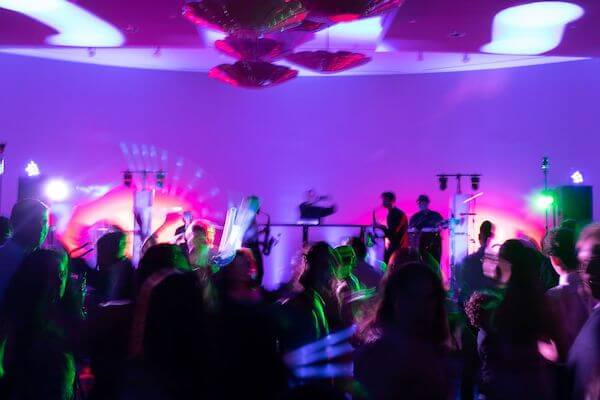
[421,240]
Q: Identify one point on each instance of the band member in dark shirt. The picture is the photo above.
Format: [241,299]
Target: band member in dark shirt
[396,231]
[425,225]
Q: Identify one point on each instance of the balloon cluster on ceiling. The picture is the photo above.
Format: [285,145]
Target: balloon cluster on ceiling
[263,31]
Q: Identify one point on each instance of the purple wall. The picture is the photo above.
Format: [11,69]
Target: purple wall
[349,137]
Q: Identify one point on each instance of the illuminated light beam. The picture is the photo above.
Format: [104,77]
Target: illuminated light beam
[326,371]
[531,29]
[329,353]
[320,345]
[75,26]
[475,196]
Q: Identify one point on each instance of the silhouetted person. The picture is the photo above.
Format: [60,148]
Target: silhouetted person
[513,325]
[169,343]
[114,277]
[107,333]
[396,228]
[312,209]
[365,272]
[252,238]
[29,220]
[405,359]
[316,311]
[38,357]
[198,243]
[589,238]
[584,357]
[570,301]
[238,281]
[427,224]
[471,277]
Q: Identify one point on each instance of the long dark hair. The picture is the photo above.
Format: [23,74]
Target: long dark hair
[523,314]
[398,310]
[174,337]
[321,264]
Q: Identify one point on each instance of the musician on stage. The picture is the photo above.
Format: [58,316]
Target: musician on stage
[313,209]
[426,225]
[396,231]
[252,240]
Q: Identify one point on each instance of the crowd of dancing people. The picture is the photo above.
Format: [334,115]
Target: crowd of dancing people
[521,322]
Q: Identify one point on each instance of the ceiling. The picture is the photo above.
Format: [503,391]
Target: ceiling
[422,36]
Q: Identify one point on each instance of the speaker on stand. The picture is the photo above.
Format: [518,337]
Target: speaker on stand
[575,203]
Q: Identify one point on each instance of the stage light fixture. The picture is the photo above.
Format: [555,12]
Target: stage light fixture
[475,179]
[57,190]
[577,178]
[127,178]
[443,182]
[32,169]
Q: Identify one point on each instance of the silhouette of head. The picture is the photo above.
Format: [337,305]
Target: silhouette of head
[413,301]
[388,199]
[423,202]
[360,249]
[159,257]
[111,248]
[588,240]
[322,262]
[559,245]
[238,280]
[593,272]
[29,220]
[486,233]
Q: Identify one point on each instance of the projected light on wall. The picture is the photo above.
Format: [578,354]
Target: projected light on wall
[531,29]
[75,25]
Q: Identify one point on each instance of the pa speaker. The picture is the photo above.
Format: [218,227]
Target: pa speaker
[30,187]
[575,203]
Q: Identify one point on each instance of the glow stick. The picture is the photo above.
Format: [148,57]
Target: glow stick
[329,353]
[320,345]
[326,371]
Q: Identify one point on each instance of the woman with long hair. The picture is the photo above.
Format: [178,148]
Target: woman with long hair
[316,311]
[515,329]
[38,358]
[404,357]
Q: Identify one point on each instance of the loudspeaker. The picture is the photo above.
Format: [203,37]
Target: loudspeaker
[31,187]
[575,203]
